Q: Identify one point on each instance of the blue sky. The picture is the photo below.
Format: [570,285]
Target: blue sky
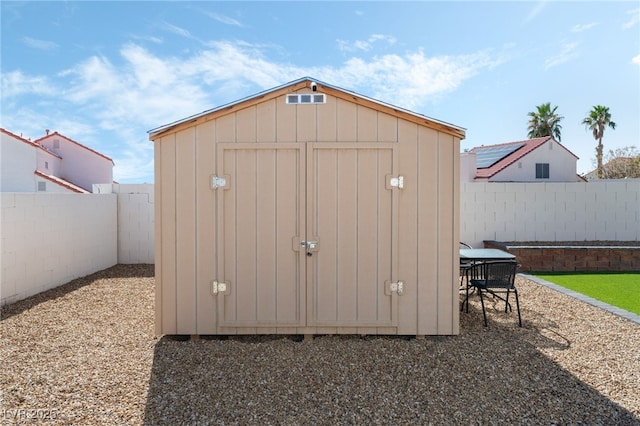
[104,73]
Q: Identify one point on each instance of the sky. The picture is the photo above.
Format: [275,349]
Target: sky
[105,73]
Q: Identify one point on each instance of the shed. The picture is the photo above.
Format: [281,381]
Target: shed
[307,209]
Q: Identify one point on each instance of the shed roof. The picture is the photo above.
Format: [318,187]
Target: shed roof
[512,152]
[322,87]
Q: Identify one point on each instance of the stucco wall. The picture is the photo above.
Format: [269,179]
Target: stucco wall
[17,164]
[562,165]
[79,165]
[50,239]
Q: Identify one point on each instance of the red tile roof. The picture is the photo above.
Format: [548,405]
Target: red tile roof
[527,146]
[51,135]
[28,142]
[61,182]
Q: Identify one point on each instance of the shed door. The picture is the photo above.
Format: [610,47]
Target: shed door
[351,213]
[280,199]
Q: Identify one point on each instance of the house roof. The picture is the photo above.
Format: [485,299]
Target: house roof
[321,87]
[54,134]
[499,157]
[28,142]
[61,182]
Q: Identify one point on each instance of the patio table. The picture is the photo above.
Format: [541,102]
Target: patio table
[472,256]
[484,254]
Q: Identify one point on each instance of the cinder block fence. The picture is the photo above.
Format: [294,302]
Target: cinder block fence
[50,239]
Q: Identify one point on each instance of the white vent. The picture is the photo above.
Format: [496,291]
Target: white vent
[42,186]
[306,98]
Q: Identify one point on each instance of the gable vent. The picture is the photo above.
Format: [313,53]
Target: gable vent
[306,98]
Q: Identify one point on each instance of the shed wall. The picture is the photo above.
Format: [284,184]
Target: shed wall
[187,246]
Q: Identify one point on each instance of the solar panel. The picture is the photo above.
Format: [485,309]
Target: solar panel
[487,157]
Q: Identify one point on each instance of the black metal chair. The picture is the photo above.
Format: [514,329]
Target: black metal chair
[464,266]
[495,277]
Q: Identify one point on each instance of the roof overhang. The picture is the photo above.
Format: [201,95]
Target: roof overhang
[307,82]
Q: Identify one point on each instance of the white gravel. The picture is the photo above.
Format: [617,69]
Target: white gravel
[85,353]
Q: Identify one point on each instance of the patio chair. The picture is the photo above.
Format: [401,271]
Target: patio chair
[495,277]
[464,265]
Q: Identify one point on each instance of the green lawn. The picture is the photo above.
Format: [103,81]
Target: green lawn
[617,289]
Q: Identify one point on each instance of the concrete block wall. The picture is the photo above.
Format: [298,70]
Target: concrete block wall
[50,239]
[135,223]
[580,211]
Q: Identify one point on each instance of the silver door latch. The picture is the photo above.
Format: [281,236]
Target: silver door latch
[310,246]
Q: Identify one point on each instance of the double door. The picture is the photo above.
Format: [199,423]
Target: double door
[307,235]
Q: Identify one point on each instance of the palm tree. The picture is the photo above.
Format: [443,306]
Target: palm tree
[599,118]
[545,122]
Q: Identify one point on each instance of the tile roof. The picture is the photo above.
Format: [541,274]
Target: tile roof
[526,147]
[28,142]
[61,182]
[51,135]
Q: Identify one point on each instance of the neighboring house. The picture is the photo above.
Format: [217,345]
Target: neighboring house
[53,163]
[534,160]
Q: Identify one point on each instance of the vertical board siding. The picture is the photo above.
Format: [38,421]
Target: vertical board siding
[367,122]
[286,120]
[168,249]
[428,230]
[306,171]
[387,128]
[245,254]
[351,213]
[186,231]
[267,237]
[246,125]
[226,128]
[158,252]
[306,122]
[289,208]
[266,121]
[326,121]
[205,229]
[408,227]
[260,212]
[447,248]
[326,295]
[347,119]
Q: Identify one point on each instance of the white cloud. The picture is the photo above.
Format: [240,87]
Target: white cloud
[40,44]
[364,45]
[409,81]
[636,59]
[15,83]
[583,27]
[568,53]
[224,19]
[634,19]
[177,30]
[537,9]
[125,98]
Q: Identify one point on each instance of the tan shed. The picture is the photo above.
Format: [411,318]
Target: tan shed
[307,209]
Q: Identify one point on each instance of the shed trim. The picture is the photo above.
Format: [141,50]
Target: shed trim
[308,82]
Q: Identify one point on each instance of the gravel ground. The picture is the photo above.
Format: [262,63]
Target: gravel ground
[85,353]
